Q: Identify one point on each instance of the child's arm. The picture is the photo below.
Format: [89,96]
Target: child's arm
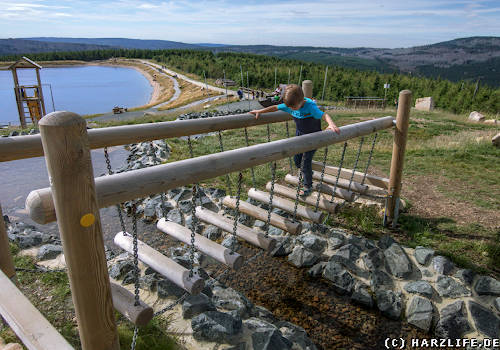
[331,124]
[257,112]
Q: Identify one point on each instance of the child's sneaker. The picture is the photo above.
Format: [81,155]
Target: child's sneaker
[305,192]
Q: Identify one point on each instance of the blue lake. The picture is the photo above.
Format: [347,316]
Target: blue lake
[80,89]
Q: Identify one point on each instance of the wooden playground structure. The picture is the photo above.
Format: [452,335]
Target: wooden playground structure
[75,197]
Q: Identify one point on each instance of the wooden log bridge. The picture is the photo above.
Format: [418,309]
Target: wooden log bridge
[203,244]
[160,263]
[123,301]
[20,147]
[345,173]
[141,183]
[276,220]
[251,236]
[324,188]
[286,205]
[291,193]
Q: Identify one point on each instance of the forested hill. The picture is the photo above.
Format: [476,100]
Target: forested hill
[466,59]
[23,46]
[460,97]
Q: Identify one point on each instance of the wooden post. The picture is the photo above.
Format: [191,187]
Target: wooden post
[398,154]
[66,147]
[307,87]
[6,262]
[40,92]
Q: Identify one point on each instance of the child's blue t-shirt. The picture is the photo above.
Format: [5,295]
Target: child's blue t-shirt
[307,119]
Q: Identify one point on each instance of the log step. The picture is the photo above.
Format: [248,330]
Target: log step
[124,300]
[276,220]
[342,183]
[324,188]
[251,236]
[345,173]
[291,193]
[165,266]
[203,244]
[286,205]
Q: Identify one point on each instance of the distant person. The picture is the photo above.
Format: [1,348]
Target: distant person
[240,94]
[307,117]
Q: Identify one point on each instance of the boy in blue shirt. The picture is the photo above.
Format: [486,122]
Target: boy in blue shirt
[307,117]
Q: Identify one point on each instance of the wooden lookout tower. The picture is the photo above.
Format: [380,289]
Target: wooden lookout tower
[29,98]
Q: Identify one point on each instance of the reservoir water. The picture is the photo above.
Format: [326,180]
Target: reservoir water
[80,89]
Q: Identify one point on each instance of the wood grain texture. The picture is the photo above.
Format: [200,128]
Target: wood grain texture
[26,321]
[324,188]
[140,183]
[6,262]
[203,244]
[65,142]
[261,214]
[124,300]
[342,183]
[345,173]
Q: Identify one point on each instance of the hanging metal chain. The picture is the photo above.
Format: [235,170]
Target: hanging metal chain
[270,204]
[288,136]
[118,206]
[228,180]
[299,186]
[193,231]
[353,171]
[268,133]
[251,169]
[136,254]
[341,163]
[237,216]
[321,180]
[134,338]
[369,158]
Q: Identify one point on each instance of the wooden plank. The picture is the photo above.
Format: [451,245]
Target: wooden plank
[251,236]
[276,220]
[345,173]
[203,244]
[288,192]
[26,321]
[325,188]
[28,146]
[165,266]
[124,300]
[342,183]
[122,187]
[286,205]
[64,137]
[6,262]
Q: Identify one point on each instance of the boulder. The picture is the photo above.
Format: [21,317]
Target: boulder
[496,303]
[284,246]
[266,336]
[296,335]
[350,265]
[275,231]
[175,216]
[216,326]
[442,265]
[166,288]
[465,275]
[449,288]
[49,251]
[230,242]
[349,252]
[301,257]
[424,104]
[374,260]
[317,270]
[419,287]
[420,313]
[185,206]
[389,303]
[229,299]
[380,280]
[148,282]
[486,285]
[342,281]
[263,313]
[312,242]
[453,323]
[486,322]
[212,232]
[496,140]
[396,261]
[385,242]
[194,305]
[362,295]
[476,117]
[120,269]
[423,255]
[335,242]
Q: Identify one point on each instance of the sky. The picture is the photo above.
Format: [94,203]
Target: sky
[354,23]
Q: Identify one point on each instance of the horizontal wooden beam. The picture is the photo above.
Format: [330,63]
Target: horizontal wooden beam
[21,147]
[26,321]
[342,183]
[345,173]
[325,188]
[294,227]
[168,268]
[203,244]
[141,183]
[291,193]
[251,236]
[123,302]
[286,205]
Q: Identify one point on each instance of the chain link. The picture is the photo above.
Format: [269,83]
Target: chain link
[134,338]
[251,169]
[194,218]
[369,158]
[288,136]
[341,163]
[321,180]
[236,217]
[299,186]
[228,180]
[136,255]
[118,206]
[353,171]
[271,195]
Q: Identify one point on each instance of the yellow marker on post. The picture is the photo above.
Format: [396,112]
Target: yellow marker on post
[87,220]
